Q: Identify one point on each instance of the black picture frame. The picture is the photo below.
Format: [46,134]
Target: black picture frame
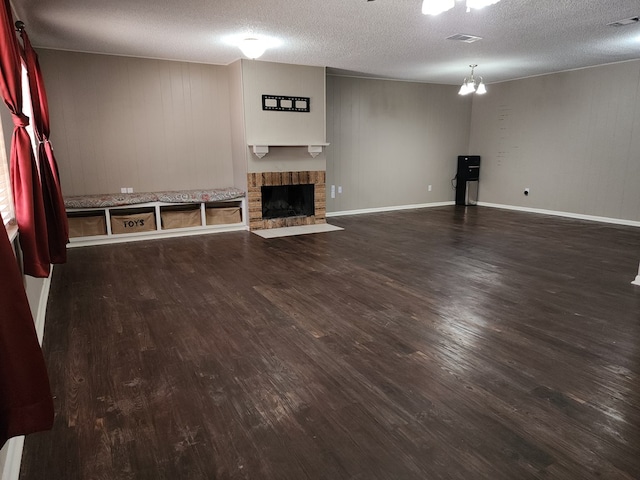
[284,103]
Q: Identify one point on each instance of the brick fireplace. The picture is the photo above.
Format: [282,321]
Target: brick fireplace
[258,180]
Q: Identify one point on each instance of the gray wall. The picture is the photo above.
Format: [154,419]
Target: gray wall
[390,140]
[283,128]
[132,122]
[238,134]
[289,133]
[573,138]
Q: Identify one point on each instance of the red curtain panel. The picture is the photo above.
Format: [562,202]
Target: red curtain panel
[25,180]
[57,225]
[26,404]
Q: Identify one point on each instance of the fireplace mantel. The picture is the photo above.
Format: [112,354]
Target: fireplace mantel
[261,149]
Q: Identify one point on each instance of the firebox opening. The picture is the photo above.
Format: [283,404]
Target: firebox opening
[282,201]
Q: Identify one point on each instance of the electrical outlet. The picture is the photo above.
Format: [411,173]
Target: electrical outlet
[339,188]
[333,191]
[123,189]
[129,189]
[429,188]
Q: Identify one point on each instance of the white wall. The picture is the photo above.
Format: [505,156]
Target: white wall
[573,138]
[390,140]
[132,122]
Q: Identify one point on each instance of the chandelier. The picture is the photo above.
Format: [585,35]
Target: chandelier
[472,84]
[436,7]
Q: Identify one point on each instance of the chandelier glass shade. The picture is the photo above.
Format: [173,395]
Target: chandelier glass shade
[436,7]
[472,84]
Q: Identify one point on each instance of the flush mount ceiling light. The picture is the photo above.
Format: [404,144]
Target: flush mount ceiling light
[472,84]
[252,47]
[436,7]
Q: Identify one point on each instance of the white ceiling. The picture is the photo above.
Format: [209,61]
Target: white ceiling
[381,38]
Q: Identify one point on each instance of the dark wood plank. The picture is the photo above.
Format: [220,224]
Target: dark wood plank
[445,343]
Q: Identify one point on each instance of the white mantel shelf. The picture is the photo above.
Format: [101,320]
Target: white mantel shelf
[261,149]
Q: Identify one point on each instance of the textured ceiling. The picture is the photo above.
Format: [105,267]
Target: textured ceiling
[381,38]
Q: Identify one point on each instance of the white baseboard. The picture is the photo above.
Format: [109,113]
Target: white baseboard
[42,306]
[388,209]
[637,279]
[154,235]
[11,469]
[593,218]
[579,216]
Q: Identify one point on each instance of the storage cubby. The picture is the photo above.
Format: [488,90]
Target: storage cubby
[92,226]
[87,224]
[222,213]
[180,216]
[133,220]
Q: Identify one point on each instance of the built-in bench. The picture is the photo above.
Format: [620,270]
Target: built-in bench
[122,217]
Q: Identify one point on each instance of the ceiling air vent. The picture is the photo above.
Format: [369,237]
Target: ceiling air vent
[463,37]
[624,21]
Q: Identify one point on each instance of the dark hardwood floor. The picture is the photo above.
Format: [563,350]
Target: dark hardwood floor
[445,343]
